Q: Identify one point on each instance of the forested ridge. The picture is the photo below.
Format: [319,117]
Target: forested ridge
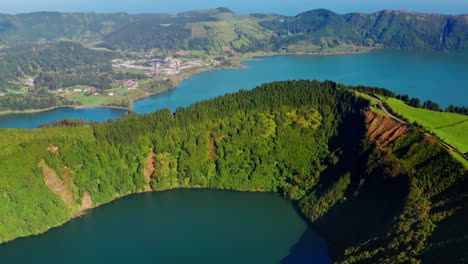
[49,67]
[388,28]
[60,58]
[318,29]
[377,191]
[315,30]
[31,74]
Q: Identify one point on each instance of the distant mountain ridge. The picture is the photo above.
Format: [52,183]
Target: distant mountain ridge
[395,29]
[221,29]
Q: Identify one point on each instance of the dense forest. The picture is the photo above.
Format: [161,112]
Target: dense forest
[378,191]
[19,102]
[47,26]
[30,73]
[60,58]
[149,35]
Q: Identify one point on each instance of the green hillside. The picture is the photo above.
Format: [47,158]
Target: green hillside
[31,74]
[450,127]
[212,31]
[390,29]
[31,59]
[48,26]
[403,29]
[315,143]
[313,31]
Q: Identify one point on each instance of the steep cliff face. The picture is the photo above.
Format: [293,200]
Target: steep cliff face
[382,130]
[399,202]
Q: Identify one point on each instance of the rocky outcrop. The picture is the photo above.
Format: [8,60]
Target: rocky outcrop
[61,187]
[86,203]
[383,130]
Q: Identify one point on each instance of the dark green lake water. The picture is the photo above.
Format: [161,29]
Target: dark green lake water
[180,226]
[441,77]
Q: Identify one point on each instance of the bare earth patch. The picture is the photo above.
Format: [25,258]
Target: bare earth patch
[383,130]
[86,203]
[149,166]
[53,148]
[55,184]
[211,149]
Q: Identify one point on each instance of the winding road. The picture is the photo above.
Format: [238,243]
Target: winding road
[447,146]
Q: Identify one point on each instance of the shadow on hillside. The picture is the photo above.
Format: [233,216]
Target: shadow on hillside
[372,198]
[448,241]
[310,249]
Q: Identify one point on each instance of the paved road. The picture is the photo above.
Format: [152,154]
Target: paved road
[447,146]
[388,113]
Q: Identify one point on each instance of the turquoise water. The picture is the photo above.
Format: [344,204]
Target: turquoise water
[33,120]
[180,226]
[441,77]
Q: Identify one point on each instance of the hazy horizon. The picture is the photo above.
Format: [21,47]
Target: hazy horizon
[292,7]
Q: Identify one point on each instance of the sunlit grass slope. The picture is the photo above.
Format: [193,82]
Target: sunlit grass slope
[450,127]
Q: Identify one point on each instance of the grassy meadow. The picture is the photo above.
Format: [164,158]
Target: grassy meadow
[88,100]
[450,127]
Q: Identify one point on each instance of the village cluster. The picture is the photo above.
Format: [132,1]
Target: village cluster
[150,66]
[168,67]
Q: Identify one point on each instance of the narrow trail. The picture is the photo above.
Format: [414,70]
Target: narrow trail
[447,146]
[388,113]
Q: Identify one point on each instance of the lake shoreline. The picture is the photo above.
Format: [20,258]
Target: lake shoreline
[236,65]
[292,227]
[82,212]
[31,111]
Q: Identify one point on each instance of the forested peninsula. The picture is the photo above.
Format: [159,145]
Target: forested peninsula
[379,191]
[52,59]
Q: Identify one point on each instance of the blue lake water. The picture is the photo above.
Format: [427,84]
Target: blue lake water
[180,226]
[441,77]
